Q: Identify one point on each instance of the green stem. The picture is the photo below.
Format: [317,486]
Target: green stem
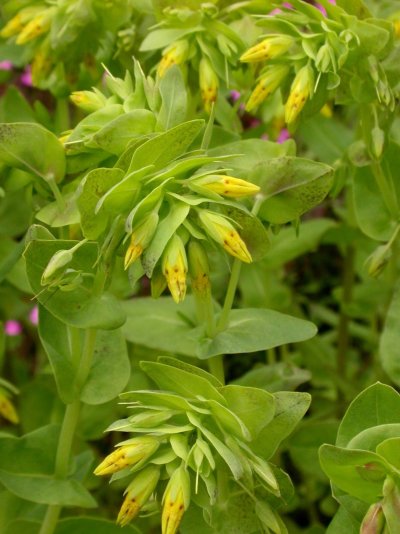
[216,366]
[230,295]
[69,424]
[343,327]
[57,194]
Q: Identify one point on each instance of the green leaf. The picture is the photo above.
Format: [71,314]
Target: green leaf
[166,147]
[76,307]
[179,381]
[371,212]
[389,449]
[290,408]
[229,420]
[390,339]
[173,98]
[95,185]
[30,474]
[115,136]
[379,404]
[252,329]
[348,518]
[280,376]
[191,369]
[89,525]
[161,325]
[292,186]
[52,216]
[110,369]
[359,473]
[256,408]
[54,337]
[32,148]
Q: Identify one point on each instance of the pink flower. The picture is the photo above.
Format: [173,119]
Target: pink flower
[13,328]
[34,315]
[235,95]
[26,77]
[6,65]
[283,136]
[321,8]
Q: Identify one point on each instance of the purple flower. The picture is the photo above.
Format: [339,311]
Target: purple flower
[321,8]
[235,95]
[283,136]
[34,315]
[13,328]
[26,77]
[6,65]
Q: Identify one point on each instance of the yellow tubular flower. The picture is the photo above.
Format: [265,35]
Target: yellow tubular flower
[174,268]
[271,47]
[137,494]
[228,186]
[7,409]
[37,26]
[174,54]
[141,236]
[89,101]
[176,500]
[300,91]
[396,25]
[208,83]
[17,23]
[224,233]
[132,452]
[41,65]
[267,84]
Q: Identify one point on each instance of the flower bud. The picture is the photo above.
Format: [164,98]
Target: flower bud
[227,186]
[269,48]
[7,409]
[141,236]
[174,268]
[174,54]
[396,25]
[37,26]
[176,500]
[199,269]
[300,91]
[17,23]
[323,59]
[137,494]
[374,520]
[377,141]
[224,233]
[130,453]
[269,81]
[59,260]
[89,101]
[378,260]
[208,83]
[391,503]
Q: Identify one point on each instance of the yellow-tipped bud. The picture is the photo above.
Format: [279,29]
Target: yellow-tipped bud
[326,111]
[271,47]
[89,101]
[174,268]
[199,269]
[227,186]
[137,494]
[224,233]
[208,83]
[300,91]
[37,26]
[174,54]
[141,236]
[132,452]
[7,409]
[176,500]
[268,83]
[13,27]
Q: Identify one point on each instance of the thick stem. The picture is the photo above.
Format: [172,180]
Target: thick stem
[230,295]
[69,424]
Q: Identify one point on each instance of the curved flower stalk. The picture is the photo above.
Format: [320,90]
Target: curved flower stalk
[183,439]
[7,408]
[307,54]
[66,41]
[207,46]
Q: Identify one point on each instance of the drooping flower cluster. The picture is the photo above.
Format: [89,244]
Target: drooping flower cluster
[180,439]
[306,49]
